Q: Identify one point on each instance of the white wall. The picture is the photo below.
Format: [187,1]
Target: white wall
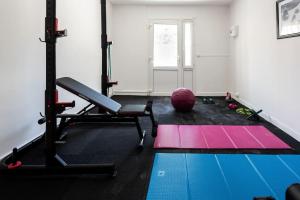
[265,71]
[79,54]
[22,69]
[22,61]
[131,45]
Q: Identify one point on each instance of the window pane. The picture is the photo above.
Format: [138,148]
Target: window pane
[188,44]
[165,45]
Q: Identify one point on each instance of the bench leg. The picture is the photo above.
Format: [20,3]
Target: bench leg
[141,132]
[151,115]
[60,135]
[154,123]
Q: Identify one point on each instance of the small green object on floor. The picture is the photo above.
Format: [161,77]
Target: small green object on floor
[244,111]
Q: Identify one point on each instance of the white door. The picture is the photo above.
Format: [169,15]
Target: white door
[171,60]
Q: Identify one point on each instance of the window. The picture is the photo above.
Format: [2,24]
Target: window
[165,45]
[188,50]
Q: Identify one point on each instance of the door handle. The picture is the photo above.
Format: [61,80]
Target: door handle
[150,59]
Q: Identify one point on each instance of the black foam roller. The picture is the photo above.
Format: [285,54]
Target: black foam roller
[293,192]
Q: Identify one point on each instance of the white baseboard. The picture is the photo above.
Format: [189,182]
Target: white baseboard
[211,94]
[149,93]
[163,94]
[131,92]
[271,119]
[19,146]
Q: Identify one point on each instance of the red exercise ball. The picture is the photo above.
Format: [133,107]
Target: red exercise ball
[183,100]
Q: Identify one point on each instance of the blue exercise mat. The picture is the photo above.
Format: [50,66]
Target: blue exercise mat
[222,177]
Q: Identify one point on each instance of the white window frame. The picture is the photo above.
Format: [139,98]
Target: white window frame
[179,42]
[183,43]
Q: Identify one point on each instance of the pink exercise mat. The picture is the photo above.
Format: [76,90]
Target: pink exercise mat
[216,137]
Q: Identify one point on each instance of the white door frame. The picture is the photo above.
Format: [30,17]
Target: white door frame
[153,69]
[192,67]
[180,69]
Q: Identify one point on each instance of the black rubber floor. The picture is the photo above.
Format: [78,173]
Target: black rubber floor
[117,143]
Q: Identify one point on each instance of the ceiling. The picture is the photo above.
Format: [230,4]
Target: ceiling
[173,2]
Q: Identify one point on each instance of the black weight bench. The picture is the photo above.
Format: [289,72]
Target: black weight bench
[111,111]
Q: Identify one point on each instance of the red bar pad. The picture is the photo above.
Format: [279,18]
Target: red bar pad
[56,25]
[56,96]
[14,165]
[216,138]
[266,137]
[191,137]
[167,137]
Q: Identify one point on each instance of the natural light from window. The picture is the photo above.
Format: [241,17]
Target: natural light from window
[165,45]
[188,44]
